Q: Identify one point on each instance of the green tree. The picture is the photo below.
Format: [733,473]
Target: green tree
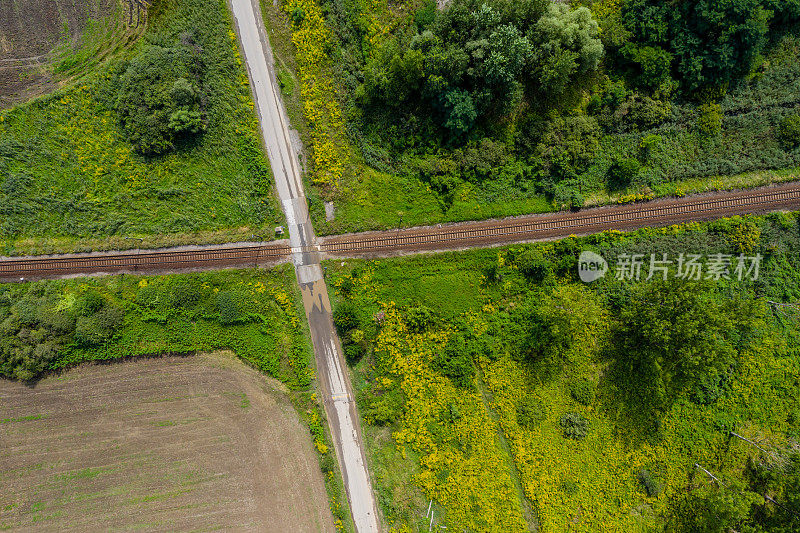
[713,509]
[460,112]
[673,332]
[574,426]
[158,99]
[568,44]
[622,173]
[651,66]
[567,323]
[712,41]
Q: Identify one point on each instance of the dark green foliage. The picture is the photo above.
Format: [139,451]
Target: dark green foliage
[713,509]
[582,391]
[712,42]
[419,319]
[456,360]
[159,97]
[36,327]
[649,485]
[426,15]
[98,328]
[711,387]
[185,292]
[426,90]
[228,308]
[574,426]
[385,408]
[479,59]
[47,326]
[673,333]
[622,173]
[459,110]
[327,464]
[568,145]
[530,412]
[650,66]
[788,131]
[534,266]
[782,482]
[89,303]
[345,316]
[569,487]
[353,353]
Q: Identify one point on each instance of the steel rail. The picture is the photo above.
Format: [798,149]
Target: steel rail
[608,218]
[481,233]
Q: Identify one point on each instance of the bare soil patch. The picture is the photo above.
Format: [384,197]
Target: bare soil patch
[33,32]
[194,443]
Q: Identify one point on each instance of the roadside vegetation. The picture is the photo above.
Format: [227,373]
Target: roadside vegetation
[491,108]
[504,393]
[159,140]
[46,327]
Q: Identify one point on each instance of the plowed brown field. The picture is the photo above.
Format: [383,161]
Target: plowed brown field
[194,443]
[30,30]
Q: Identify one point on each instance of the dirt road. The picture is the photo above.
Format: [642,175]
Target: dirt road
[334,381]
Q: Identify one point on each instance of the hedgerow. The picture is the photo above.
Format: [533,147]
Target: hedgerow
[48,326]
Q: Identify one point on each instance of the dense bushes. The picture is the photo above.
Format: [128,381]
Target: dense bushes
[709,43]
[789,131]
[159,95]
[38,325]
[456,360]
[479,59]
[530,412]
[712,80]
[673,333]
[51,325]
[574,426]
[582,391]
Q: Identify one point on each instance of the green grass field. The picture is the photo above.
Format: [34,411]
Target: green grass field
[70,179]
[536,349]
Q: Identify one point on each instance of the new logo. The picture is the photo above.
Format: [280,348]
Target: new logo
[591,266]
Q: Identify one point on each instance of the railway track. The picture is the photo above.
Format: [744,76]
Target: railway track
[546,226]
[456,236]
[150,261]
